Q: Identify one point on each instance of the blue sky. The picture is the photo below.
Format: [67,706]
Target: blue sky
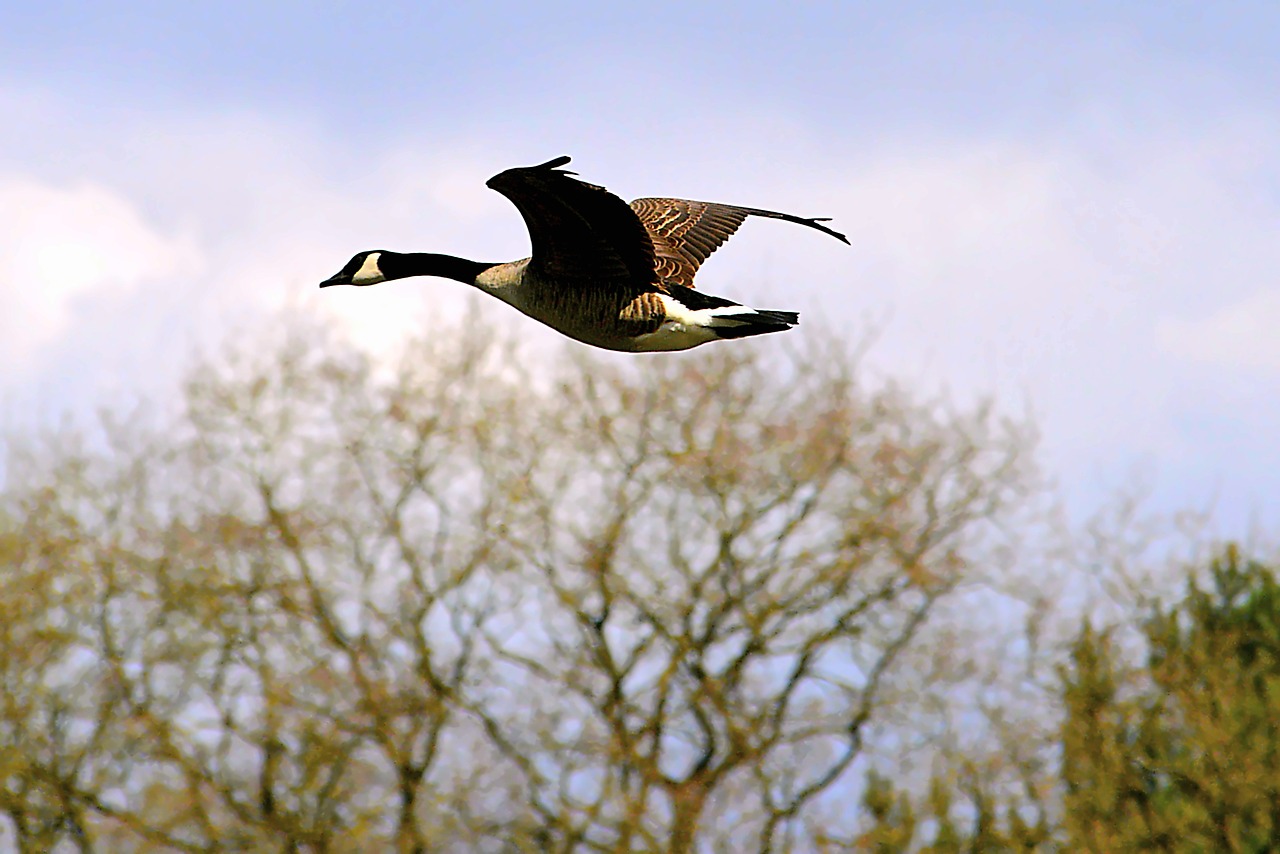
[1071,206]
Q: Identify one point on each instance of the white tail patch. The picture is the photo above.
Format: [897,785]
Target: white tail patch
[686,327]
[678,312]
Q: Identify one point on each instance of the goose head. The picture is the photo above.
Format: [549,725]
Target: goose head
[364,268]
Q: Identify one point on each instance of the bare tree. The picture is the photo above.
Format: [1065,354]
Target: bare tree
[468,602]
[729,559]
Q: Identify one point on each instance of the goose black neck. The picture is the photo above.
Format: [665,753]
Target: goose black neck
[399,266]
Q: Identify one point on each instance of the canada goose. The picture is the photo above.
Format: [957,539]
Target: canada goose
[602,272]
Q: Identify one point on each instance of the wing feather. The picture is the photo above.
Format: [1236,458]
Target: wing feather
[685,233]
[580,232]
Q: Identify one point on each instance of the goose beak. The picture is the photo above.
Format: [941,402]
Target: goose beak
[336,279]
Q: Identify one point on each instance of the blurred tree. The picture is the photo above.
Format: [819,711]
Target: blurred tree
[472,602]
[1181,753]
[1187,755]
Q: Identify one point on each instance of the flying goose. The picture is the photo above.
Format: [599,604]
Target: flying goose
[602,272]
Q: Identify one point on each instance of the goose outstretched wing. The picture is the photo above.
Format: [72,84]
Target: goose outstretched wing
[581,233]
[685,233]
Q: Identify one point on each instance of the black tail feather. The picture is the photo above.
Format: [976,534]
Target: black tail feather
[791,318]
[761,322]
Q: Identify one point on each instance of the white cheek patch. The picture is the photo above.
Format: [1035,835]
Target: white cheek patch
[369,274]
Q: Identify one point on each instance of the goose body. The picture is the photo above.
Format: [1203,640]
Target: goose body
[602,272]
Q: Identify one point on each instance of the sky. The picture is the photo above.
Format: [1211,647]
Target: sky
[1072,207]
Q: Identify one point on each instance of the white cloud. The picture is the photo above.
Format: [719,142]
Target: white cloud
[1047,265]
[58,244]
[1242,336]
[99,297]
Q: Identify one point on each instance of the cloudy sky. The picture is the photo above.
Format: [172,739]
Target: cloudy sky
[1074,206]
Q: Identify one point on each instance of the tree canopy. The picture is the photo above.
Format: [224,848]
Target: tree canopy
[1177,751]
[469,601]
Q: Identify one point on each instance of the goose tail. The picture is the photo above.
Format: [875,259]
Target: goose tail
[722,318]
[745,322]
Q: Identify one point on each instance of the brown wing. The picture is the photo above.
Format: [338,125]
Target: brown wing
[685,233]
[580,232]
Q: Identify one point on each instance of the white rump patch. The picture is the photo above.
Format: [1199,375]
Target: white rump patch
[686,327]
[682,314]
